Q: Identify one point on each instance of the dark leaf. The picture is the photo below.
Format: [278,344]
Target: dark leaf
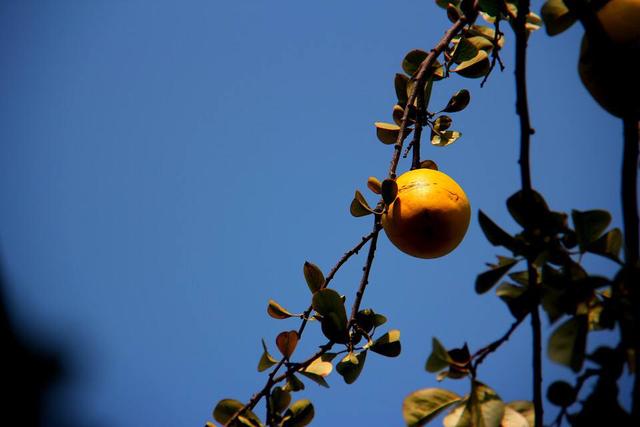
[557,17]
[442,123]
[389,191]
[227,408]
[567,343]
[475,67]
[400,84]
[589,226]
[280,399]
[458,101]
[464,51]
[412,61]
[439,357]
[561,393]
[388,344]
[488,279]
[527,210]
[330,305]
[428,164]
[351,366]
[490,7]
[300,414]
[608,245]
[276,311]
[496,235]
[293,384]
[266,360]
[313,275]
[359,206]
[287,342]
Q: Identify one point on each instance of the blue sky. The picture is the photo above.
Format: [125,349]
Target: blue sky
[167,167]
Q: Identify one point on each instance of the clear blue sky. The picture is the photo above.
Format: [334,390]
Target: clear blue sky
[167,167]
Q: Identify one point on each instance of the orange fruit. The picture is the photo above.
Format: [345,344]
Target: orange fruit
[430,215]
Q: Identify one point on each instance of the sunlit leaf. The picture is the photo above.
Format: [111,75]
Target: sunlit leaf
[227,408]
[556,16]
[359,206]
[266,360]
[422,406]
[387,133]
[445,138]
[524,408]
[513,418]
[313,276]
[475,67]
[533,22]
[442,123]
[276,311]
[374,184]
[567,343]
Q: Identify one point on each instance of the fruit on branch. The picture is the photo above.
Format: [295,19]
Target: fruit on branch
[429,216]
[610,71]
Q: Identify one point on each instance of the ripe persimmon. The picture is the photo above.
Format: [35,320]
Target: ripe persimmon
[429,216]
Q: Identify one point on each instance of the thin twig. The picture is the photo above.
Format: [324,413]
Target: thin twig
[485,351]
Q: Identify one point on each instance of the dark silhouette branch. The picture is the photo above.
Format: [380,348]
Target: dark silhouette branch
[481,354]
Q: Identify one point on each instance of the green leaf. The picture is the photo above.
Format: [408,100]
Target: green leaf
[400,84]
[276,311]
[445,138]
[300,414]
[608,245]
[464,51]
[388,344]
[589,226]
[476,67]
[266,360]
[517,299]
[439,357]
[557,17]
[481,43]
[293,384]
[422,406]
[313,275]
[389,191]
[567,343]
[442,123]
[524,408]
[458,101]
[561,393]
[280,399]
[496,235]
[287,342]
[359,206]
[329,304]
[490,7]
[489,278]
[227,408]
[412,61]
[351,366]
[484,31]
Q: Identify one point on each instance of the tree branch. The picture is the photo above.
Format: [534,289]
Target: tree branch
[481,354]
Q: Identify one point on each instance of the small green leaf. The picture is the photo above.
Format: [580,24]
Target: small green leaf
[589,226]
[608,245]
[458,101]
[389,191]
[445,138]
[351,366]
[313,276]
[293,384]
[567,343]
[476,67]
[489,278]
[280,399]
[561,393]
[266,360]
[422,406]
[359,206]
[464,51]
[388,344]
[439,357]
[400,84]
[442,123]
[276,311]
[227,408]
[388,133]
[300,414]
[496,235]
[412,61]
[287,342]
[428,164]
[481,43]
[557,17]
